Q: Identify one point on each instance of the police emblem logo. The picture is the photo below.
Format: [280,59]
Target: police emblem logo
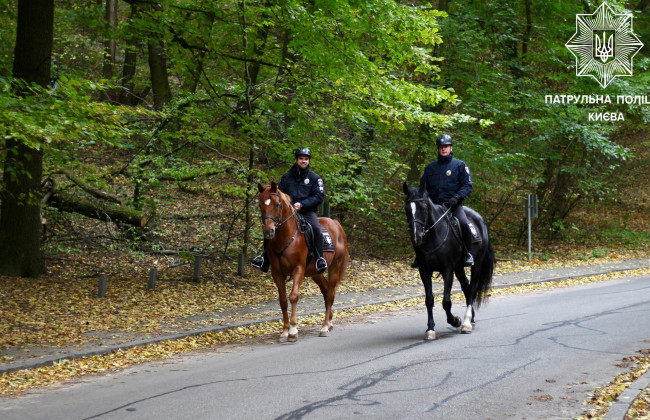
[448,173]
[306,180]
[467,169]
[604,44]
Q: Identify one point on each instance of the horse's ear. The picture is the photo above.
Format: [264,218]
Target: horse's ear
[274,186]
[423,191]
[260,187]
[406,189]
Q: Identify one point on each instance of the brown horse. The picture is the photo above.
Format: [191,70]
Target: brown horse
[287,252]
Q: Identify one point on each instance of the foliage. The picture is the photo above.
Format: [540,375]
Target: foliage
[366,84]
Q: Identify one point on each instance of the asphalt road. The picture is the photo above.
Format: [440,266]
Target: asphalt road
[531,356]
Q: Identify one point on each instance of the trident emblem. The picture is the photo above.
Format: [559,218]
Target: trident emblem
[604,49]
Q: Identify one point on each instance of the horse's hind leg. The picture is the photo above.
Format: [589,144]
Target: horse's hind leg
[465,285]
[328,297]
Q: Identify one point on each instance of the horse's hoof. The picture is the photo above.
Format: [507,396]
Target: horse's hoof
[292,338]
[324,333]
[466,329]
[457,322]
[430,335]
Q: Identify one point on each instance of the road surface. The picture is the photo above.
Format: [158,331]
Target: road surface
[532,356]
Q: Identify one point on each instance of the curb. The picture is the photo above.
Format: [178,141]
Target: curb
[622,404]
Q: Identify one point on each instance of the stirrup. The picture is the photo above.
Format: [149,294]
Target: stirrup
[321,265]
[469,260]
[261,263]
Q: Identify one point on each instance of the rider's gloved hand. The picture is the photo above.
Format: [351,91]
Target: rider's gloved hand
[453,202]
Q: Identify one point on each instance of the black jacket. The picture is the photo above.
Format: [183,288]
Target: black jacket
[445,178]
[304,187]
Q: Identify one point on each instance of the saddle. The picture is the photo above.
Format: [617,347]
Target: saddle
[328,243]
[458,232]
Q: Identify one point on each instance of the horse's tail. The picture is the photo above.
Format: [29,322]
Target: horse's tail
[483,274]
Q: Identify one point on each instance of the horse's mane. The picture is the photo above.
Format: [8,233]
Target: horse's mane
[284,197]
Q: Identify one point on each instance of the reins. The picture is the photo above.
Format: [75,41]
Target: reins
[427,230]
[434,223]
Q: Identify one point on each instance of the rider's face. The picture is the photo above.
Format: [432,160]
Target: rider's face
[302,161]
[445,150]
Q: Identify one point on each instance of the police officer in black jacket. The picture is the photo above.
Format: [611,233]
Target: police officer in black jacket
[449,182]
[307,191]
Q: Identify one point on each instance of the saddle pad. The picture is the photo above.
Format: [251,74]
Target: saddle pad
[328,243]
[476,235]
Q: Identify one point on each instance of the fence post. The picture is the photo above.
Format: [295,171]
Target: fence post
[241,264]
[101,292]
[152,278]
[197,268]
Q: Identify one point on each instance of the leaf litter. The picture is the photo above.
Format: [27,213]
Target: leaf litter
[63,310]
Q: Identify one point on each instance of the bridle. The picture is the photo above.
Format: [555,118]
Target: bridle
[278,224]
[426,230]
[277,220]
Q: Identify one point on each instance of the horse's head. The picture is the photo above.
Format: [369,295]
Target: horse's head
[272,206]
[417,213]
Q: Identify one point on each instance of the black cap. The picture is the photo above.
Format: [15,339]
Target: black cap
[443,140]
[302,151]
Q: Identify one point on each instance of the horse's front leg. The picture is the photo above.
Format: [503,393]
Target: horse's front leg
[468,318]
[294,296]
[281,284]
[425,276]
[448,278]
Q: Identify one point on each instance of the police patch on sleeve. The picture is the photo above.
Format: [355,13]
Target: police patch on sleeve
[320,185]
[467,169]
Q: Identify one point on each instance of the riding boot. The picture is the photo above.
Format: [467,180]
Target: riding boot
[261,261]
[321,263]
[467,244]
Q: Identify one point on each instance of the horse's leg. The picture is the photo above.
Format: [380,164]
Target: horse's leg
[328,297]
[280,283]
[425,275]
[448,279]
[469,293]
[298,276]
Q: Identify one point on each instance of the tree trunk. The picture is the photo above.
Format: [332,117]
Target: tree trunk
[110,47]
[102,211]
[159,81]
[127,95]
[20,217]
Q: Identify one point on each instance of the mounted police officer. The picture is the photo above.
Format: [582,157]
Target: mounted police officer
[307,191]
[449,182]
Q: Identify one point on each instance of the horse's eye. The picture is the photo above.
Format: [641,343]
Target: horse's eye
[277,204]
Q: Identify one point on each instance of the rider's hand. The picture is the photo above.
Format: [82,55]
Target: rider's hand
[297,206]
[453,202]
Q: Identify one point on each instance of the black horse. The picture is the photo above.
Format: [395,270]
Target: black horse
[439,247]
